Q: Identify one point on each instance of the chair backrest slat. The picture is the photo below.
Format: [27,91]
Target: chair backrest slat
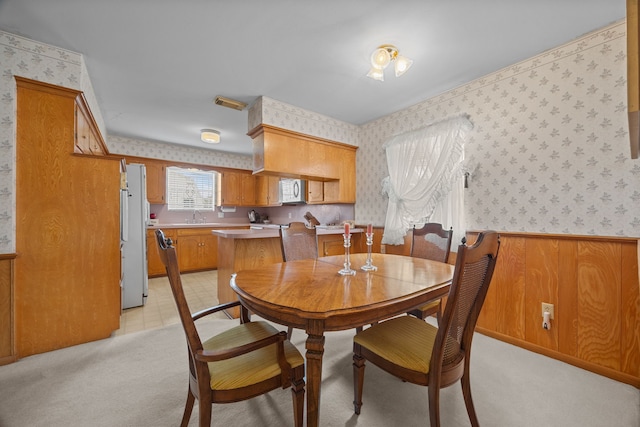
[169,258]
[471,279]
[298,242]
[431,241]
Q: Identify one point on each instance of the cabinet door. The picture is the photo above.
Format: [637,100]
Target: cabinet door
[267,190]
[274,189]
[156,183]
[248,190]
[189,253]
[315,191]
[82,138]
[330,244]
[209,252]
[262,190]
[230,189]
[155,267]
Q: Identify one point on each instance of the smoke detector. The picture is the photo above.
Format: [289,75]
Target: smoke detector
[229,103]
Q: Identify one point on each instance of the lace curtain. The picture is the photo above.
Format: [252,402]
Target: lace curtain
[423,167]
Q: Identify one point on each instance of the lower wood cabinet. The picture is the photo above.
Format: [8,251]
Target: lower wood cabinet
[333,244]
[197,249]
[155,267]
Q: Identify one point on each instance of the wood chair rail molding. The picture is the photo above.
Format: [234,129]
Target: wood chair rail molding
[593,283]
[7,339]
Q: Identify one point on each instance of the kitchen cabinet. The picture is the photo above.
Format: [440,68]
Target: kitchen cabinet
[323,192]
[287,153]
[248,194]
[315,191]
[237,189]
[87,136]
[197,249]
[267,190]
[155,267]
[333,244]
[156,182]
[67,272]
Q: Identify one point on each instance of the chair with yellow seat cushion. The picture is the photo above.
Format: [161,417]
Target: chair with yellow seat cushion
[431,241]
[418,352]
[245,361]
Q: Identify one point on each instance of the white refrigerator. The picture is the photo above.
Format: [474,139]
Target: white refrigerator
[134,217]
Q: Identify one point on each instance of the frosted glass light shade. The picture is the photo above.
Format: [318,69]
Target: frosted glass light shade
[402,65]
[211,136]
[380,58]
[376,74]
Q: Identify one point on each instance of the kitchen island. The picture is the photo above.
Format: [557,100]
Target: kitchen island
[252,249]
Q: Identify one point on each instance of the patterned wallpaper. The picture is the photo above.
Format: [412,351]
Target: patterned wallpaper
[550,139]
[276,113]
[550,142]
[179,153]
[37,61]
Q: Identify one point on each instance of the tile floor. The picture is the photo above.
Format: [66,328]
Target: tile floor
[160,310]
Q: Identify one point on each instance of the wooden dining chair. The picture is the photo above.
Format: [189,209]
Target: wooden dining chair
[298,242]
[418,352]
[433,242]
[245,361]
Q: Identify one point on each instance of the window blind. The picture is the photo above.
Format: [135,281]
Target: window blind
[189,189]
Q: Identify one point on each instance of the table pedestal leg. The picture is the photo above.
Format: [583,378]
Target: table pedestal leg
[315,351]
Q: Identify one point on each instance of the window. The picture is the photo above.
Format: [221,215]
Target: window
[424,166]
[189,189]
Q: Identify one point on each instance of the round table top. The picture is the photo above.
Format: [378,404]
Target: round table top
[296,292]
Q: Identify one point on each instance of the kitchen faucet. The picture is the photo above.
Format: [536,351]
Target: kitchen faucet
[203,220]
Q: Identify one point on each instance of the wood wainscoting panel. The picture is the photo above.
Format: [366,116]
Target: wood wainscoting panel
[630,333]
[509,287]
[542,286]
[599,280]
[592,282]
[7,347]
[566,311]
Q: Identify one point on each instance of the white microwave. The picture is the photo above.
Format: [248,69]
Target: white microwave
[291,191]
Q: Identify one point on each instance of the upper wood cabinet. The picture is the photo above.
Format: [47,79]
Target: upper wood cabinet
[248,194]
[156,182]
[290,154]
[237,189]
[267,190]
[88,139]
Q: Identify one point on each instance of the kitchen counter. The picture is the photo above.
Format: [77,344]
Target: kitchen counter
[242,249]
[200,225]
[270,228]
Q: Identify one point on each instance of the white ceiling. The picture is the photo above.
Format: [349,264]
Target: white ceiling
[157,65]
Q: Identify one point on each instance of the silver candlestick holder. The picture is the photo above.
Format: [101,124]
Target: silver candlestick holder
[369,265]
[347,271]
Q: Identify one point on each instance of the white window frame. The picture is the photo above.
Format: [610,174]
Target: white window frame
[191,189]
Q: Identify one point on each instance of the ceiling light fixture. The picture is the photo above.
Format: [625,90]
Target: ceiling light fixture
[211,136]
[382,57]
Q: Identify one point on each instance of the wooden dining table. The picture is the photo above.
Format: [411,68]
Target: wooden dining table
[312,295]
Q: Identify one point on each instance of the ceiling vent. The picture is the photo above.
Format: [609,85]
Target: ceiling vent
[229,103]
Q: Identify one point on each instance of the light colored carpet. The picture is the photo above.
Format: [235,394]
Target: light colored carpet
[140,380]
